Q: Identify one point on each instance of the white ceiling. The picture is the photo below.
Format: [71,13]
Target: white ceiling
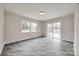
[32,10]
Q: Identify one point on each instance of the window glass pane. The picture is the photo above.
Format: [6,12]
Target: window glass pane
[33,27]
[33,24]
[25,26]
[56,25]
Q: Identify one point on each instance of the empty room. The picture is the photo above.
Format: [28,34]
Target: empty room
[39,29]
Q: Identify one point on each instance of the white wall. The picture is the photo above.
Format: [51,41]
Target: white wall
[76,30]
[1,28]
[13,28]
[67,27]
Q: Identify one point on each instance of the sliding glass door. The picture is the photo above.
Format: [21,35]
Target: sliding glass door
[49,30]
[54,30]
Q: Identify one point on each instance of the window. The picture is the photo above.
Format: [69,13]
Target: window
[25,26]
[33,27]
[28,26]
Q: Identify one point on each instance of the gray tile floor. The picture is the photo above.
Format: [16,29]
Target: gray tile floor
[39,47]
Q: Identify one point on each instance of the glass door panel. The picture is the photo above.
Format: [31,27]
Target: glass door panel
[49,30]
[57,30]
